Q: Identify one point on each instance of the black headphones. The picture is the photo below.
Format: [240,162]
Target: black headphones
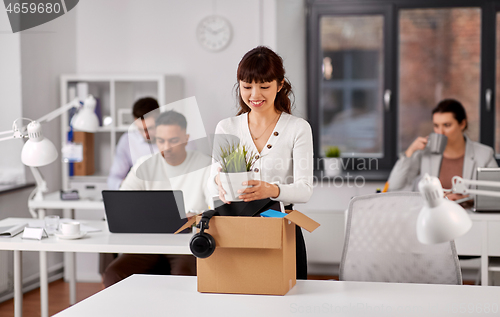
[202,244]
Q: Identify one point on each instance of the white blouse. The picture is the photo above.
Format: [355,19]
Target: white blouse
[287,158]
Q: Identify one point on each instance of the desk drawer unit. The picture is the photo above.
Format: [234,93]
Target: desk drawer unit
[470,243]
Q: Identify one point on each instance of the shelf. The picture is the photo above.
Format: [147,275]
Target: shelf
[114,92]
[108,129]
[100,178]
[7,188]
[121,129]
[112,77]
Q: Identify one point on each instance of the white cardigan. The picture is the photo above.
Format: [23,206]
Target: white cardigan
[287,158]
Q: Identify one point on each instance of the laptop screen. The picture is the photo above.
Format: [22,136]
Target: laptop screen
[153,211]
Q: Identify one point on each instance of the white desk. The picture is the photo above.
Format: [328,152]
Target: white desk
[53,201]
[482,240]
[103,242]
[150,295]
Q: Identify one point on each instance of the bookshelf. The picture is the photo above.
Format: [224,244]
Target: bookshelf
[116,94]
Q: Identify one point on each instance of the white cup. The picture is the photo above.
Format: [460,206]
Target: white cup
[70,228]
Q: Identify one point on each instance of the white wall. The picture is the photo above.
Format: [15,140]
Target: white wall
[12,204]
[47,51]
[159,36]
[291,45]
[30,64]
[11,168]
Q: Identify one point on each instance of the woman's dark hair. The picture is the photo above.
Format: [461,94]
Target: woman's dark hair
[262,65]
[453,106]
[143,106]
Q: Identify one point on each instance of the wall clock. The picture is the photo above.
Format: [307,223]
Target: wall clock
[214,33]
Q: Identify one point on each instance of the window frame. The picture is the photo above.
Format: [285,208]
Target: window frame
[390,10]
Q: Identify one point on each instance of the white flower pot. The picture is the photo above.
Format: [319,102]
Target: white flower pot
[231,182]
[332,166]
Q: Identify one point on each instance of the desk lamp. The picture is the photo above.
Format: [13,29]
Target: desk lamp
[442,220]
[459,187]
[40,151]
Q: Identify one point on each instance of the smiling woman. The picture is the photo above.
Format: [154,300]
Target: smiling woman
[283,143]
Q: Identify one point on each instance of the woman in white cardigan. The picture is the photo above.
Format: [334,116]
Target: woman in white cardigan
[284,170]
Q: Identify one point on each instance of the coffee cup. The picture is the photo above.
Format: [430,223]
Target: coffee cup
[436,143]
[70,228]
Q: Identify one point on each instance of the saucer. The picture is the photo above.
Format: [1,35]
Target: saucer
[70,237]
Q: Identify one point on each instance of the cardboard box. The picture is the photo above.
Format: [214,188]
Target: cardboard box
[85,167]
[253,255]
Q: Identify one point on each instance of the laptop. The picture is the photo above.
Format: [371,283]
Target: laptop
[140,211]
[485,203]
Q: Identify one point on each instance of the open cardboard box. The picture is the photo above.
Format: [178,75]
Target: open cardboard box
[253,255]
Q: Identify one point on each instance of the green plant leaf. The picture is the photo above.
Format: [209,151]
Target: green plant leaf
[332,151]
[236,158]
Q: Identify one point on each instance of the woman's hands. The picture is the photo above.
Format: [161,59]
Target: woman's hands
[418,144]
[258,190]
[461,199]
[453,197]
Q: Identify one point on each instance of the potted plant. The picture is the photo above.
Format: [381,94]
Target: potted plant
[237,163]
[332,161]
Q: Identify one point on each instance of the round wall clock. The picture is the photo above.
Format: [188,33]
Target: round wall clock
[214,33]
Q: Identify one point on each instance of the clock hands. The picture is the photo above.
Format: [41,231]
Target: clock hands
[219,30]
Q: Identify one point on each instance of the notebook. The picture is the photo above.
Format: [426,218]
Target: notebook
[10,231]
[485,203]
[152,211]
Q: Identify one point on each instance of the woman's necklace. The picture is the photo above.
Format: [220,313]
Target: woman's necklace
[257,137]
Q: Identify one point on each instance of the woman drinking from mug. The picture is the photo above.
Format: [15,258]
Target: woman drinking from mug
[461,156]
[284,170]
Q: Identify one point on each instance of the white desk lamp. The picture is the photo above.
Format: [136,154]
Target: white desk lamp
[459,187]
[40,151]
[440,219]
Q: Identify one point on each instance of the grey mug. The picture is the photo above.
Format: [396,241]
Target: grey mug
[436,143]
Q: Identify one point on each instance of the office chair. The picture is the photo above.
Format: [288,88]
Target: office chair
[381,243]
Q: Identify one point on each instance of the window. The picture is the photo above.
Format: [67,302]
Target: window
[352,51]
[439,57]
[377,69]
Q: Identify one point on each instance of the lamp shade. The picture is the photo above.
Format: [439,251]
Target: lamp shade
[38,150]
[440,220]
[86,120]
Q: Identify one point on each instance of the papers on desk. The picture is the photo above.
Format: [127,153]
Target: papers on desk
[83,227]
[10,231]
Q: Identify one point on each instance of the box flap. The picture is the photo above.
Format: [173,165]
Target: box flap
[246,232]
[302,220]
[188,224]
